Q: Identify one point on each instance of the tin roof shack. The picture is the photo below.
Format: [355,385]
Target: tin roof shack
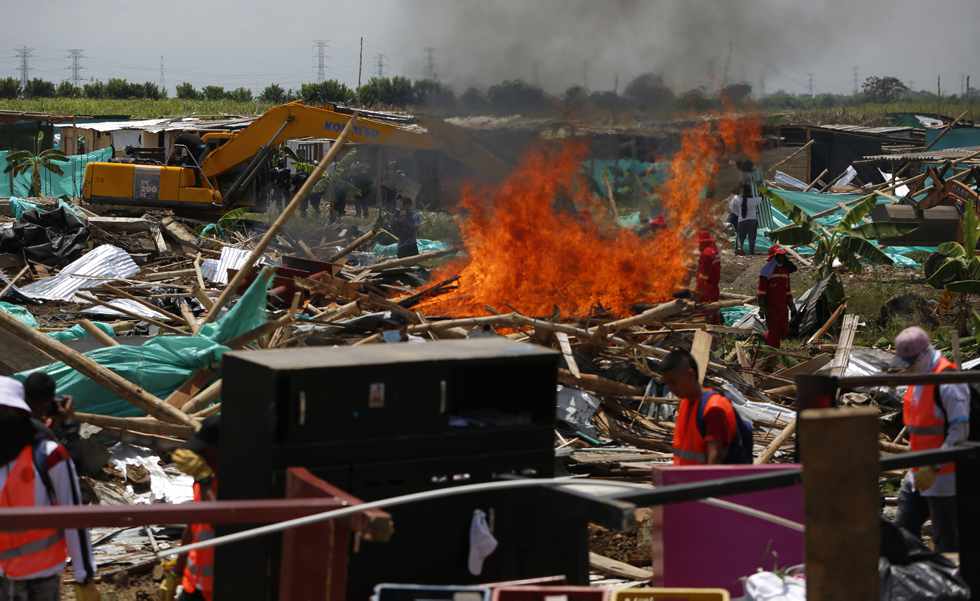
[836,147]
[18,129]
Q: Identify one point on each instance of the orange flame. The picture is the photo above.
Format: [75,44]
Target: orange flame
[524,253]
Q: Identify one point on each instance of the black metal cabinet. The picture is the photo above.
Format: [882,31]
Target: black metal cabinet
[390,419]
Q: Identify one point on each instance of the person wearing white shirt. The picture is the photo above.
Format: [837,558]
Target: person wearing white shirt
[745,207]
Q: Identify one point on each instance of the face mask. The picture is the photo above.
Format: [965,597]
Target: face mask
[391,336]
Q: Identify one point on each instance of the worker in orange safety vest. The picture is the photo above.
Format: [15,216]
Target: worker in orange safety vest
[709,273]
[37,472]
[775,296]
[708,442]
[936,417]
[196,460]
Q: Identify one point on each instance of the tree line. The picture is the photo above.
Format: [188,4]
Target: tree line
[648,91]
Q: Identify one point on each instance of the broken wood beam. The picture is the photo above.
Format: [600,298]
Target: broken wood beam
[701,351]
[826,326]
[597,384]
[203,398]
[100,375]
[781,439]
[618,569]
[404,261]
[143,302]
[654,314]
[178,231]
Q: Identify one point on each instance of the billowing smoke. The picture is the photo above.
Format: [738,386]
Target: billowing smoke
[560,43]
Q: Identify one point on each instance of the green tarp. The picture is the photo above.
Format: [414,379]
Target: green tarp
[630,179]
[69,183]
[162,363]
[425,246]
[73,333]
[813,203]
[957,138]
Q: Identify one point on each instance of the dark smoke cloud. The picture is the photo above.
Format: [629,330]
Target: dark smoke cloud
[560,43]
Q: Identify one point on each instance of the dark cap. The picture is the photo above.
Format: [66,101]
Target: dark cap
[909,344]
[207,436]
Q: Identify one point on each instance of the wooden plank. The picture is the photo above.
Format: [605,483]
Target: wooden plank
[840,484]
[826,326]
[619,569]
[744,363]
[701,351]
[158,240]
[844,344]
[806,367]
[566,351]
[781,439]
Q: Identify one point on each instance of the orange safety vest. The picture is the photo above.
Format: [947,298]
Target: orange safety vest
[26,552]
[926,422]
[199,573]
[690,447]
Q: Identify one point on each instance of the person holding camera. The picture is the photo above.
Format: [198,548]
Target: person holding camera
[53,415]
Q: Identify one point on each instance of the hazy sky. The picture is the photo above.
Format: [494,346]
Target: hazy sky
[557,43]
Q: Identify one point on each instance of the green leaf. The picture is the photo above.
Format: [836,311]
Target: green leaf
[793,235]
[53,154]
[971,228]
[792,211]
[951,270]
[54,168]
[19,156]
[964,286]
[857,214]
[232,216]
[951,249]
[882,231]
[866,250]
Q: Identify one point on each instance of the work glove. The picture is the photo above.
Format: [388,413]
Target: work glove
[192,464]
[168,586]
[87,592]
[924,478]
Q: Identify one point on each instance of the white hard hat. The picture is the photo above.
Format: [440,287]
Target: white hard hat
[12,394]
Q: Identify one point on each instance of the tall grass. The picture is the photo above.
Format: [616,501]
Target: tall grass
[142,109]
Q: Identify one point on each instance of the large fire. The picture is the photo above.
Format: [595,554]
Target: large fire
[542,241]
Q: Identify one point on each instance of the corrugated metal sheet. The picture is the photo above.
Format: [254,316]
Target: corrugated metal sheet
[945,154]
[860,129]
[124,303]
[107,126]
[216,271]
[101,264]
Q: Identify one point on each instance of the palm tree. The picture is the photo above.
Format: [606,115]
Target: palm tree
[21,161]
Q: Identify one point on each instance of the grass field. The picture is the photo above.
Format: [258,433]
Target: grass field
[139,109]
[859,114]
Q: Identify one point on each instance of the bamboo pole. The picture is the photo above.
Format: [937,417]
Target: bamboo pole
[404,261]
[815,180]
[790,157]
[246,269]
[140,425]
[97,373]
[355,244]
[94,331]
[830,322]
[163,312]
[658,313]
[767,455]
[203,398]
[10,284]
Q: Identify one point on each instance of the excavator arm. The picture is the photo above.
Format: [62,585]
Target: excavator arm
[297,120]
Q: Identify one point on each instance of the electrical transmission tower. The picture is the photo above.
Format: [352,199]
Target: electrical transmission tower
[809,84]
[381,64]
[320,47]
[163,78]
[24,54]
[76,55]
[430,63]
[855,80]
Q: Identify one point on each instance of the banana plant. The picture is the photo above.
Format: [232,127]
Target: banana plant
[848,242]
[956,268]
[22,161]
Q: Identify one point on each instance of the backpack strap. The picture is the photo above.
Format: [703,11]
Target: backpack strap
[40,464]
[699,416]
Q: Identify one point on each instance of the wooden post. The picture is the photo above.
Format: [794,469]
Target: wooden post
[94,331]
[701,351]
[355,244]
[97,373]
[840,485]
[815,180]
[246,269]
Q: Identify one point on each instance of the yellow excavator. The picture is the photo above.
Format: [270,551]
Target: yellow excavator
[210,172]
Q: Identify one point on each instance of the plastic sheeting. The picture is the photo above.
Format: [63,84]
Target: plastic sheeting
[391,250]
[68,184]
[73,333]
[23,315]
[53,236]
[628,177]
[162,363]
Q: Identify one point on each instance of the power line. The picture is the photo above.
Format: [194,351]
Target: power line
[24,54]
[320,46]
[381,64]
[430,64]
[76,55]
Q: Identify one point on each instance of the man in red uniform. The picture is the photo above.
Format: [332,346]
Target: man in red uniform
[775,295]
[709,273]
[691,447]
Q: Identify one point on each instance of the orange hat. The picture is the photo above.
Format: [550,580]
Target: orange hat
[776,249]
